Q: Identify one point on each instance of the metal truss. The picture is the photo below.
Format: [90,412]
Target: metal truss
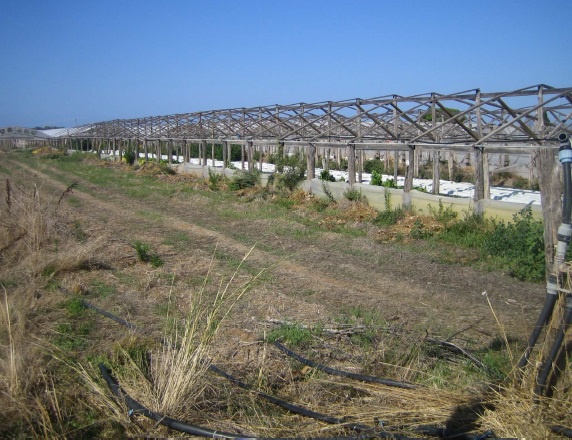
[530,116]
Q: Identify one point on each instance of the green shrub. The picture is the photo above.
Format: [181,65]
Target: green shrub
[419,232]
[328,193]
[376,178]
[214,179]
[291,176]
[369,166]
[130,156]
[520,244]
[443,215]
[389,216]
[146,256]
[354,195]
[325,175]
[244,179]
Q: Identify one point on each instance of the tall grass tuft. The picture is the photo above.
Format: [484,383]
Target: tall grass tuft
[178,370]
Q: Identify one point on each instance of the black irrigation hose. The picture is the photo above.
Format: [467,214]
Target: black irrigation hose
[547,366]
[177,425]
[334,372]
[561,430]
[542,320]
[274,400]
[564,237]
[366,431]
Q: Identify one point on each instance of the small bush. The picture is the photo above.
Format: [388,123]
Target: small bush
[146,256]
[291,177]
[326,176]
[419,232]
[244,179]
[377,165]
[443,215]
[214,179]
[354,195]
[520,244]
[328,193]
[130,156]
[389,216]
[376,178]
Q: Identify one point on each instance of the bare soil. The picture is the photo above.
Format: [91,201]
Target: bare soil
[312,276]
[319,269]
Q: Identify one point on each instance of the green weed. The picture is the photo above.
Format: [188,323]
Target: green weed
[354,195]
[102,290]
[75,307]
[146,255]
[328,193]
[244,179]
[291,334]
[326,176]
[389,216]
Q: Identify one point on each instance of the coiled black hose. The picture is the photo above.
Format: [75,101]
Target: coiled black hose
[334,372]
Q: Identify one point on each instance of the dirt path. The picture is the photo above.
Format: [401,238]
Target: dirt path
[314,279]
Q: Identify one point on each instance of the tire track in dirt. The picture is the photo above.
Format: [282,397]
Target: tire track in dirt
[335,280]
[282,267]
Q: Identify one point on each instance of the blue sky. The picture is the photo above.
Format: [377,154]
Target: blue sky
[86,61]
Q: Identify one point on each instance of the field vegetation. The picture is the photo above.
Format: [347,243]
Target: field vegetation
[211,273]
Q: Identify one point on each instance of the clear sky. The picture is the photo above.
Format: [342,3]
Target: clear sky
[64,61]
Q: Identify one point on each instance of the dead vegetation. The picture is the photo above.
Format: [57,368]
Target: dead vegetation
[50,345]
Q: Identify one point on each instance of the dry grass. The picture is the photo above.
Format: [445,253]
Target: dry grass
[40,392]
[176,379]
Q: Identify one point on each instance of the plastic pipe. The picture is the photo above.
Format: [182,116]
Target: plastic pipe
[163,420]
[274,400]
[332,371]
[548,363]
[564,237]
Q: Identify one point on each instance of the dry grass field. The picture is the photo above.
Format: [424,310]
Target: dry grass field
[210,275]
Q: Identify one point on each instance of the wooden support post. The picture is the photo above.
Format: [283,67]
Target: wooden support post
[260,157]
[351,164]
[170,151]
[224,156]
[327,159]
[549,180]
[479,193]
[395,166]
[360,166]
[451,165]
[146,149]
[311,162]
[250,156]
[121,148]
[410,166]
[213,154]
[436,173]
[242,156]
[486,176]
[158,151]
[204,152]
